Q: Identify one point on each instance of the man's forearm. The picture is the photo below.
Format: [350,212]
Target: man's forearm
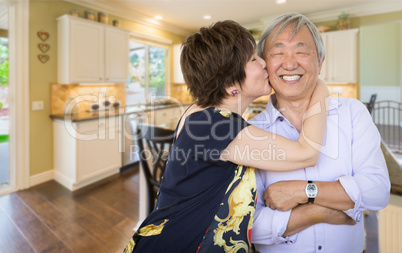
[333,195]
[285,195]
[306,215]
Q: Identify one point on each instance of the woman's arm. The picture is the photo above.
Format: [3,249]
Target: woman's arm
[264,150]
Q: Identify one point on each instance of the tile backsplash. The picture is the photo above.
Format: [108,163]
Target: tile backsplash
[84,96]
[343,90]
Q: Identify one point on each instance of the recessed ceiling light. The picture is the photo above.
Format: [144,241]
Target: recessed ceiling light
[207,17]
[280,1]
[158,17]
[153,21]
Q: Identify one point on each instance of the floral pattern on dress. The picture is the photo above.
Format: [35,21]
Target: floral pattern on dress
[236,210]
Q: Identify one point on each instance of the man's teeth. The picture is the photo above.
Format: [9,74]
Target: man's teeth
[291,78]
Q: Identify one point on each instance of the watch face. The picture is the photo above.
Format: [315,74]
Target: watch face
[311,190]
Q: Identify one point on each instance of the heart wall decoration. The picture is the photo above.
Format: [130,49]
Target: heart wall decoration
[43,58]
[43,35]
[43,47]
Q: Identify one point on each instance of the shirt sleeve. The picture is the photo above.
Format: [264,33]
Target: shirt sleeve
[269,225]
[369,186]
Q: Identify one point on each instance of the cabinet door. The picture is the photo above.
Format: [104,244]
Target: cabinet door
[116,55]
[98,157]
[86,52]
[343,56]
[341,52]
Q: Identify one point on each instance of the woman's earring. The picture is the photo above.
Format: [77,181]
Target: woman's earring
[234,93]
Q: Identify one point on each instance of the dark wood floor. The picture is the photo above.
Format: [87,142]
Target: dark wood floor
[49,218]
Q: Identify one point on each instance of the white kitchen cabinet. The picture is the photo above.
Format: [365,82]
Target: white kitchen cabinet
[177,75]
[168,117]
[340,65]
[86,151]
[91,52]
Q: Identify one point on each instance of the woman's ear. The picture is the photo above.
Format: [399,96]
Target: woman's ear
[233,91]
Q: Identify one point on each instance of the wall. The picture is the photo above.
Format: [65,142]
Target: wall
[43,16]
[380,61]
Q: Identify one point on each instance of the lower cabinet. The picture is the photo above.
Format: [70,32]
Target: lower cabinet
[86,151]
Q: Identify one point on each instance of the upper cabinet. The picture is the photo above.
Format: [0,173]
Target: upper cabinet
[178,75]
[340,64]
[91,52]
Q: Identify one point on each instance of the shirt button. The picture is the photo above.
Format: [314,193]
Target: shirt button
[319,247]
[280,119]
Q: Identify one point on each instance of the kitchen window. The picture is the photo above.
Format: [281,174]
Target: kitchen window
[148,67]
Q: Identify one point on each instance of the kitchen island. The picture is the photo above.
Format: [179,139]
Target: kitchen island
[389,218]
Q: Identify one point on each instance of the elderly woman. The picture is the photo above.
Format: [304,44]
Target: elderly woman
[207,198]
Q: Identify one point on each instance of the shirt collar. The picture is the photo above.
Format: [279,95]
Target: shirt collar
[271,114]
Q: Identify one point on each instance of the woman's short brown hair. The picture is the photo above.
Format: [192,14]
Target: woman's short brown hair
[214,59]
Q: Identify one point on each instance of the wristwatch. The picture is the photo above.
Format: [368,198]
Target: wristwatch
[311,191]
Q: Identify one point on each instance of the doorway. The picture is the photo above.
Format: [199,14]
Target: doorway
[15,119]
[4,98]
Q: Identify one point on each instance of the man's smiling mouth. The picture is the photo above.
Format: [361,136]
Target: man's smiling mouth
[291,78]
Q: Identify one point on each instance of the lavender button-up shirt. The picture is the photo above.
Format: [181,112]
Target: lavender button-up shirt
[351,154]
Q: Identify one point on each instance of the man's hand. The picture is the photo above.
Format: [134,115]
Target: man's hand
[285,195]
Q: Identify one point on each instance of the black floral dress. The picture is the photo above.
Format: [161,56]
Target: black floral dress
[204,204]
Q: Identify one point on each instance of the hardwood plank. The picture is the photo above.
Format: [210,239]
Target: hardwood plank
[78,239]
[51,190]
[43,208]
[120,198]
[127,208]
[101,211]
[11,240]
[65,227]
[33,229]
[126,227]
[50,218]
[111,238]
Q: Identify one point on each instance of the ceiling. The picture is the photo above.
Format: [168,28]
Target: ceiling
[186,16]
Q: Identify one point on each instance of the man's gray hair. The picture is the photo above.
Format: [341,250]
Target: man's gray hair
[297,20]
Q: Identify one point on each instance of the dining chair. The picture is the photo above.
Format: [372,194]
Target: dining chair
[370,105]
[154,145]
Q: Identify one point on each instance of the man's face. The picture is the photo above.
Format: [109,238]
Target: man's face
[292,64]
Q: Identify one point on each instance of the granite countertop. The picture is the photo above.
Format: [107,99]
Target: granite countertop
[139,109]
[87,115]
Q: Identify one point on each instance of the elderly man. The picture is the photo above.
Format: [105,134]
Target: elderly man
[316,209]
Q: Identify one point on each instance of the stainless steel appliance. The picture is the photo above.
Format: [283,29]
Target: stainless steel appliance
[129,146]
